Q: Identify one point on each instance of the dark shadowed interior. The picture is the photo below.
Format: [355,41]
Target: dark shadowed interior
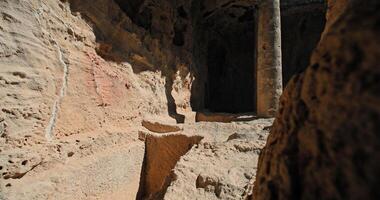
[225,52]
[302,27]
[226,40]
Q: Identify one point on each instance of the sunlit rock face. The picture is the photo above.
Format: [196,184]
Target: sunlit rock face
[325,143]
[77,78]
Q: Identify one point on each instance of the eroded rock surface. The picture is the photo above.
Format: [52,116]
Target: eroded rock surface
[77,77]
[325,140]
[220,167]
[216,171]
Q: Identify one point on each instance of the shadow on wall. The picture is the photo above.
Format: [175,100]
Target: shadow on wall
[159,37]
[214,42]
[131,31]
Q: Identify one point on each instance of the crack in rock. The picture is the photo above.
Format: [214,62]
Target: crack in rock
[50,128]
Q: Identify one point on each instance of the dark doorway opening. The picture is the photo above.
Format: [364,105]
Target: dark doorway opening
[230,79]
[225,45]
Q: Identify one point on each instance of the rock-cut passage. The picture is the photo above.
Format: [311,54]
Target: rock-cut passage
[162,152]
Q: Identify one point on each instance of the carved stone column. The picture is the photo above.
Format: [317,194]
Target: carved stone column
[269,65]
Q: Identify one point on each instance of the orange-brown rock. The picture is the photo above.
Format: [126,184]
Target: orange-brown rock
[334,11]
[160,127]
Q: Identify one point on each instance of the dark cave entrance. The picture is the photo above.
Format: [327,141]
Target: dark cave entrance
[225,45]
